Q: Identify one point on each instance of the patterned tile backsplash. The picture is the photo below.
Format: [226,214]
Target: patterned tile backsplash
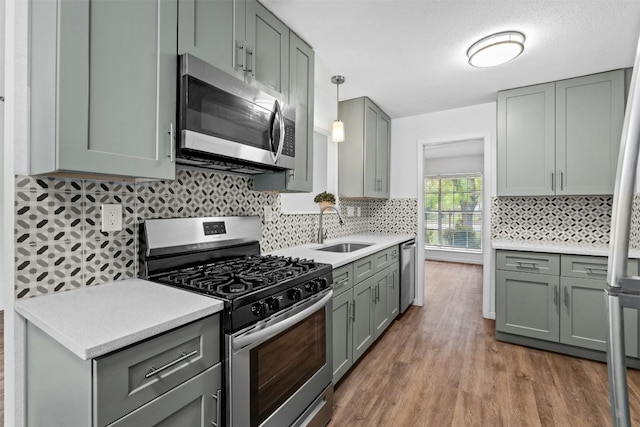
[584,219]
[59,245]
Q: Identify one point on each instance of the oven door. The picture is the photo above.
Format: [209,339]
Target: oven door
[279,370]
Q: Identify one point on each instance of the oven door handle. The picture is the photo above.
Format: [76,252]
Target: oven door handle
[258,335]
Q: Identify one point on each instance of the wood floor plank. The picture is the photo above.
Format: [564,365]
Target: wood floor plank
[440,365]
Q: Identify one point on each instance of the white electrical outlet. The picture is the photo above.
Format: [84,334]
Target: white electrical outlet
[268,214]
[111,217]
[359,212]
[350,211]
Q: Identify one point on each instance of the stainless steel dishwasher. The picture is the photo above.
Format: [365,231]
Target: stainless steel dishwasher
[407,274]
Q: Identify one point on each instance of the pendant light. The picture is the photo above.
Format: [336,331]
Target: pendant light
[496,49]
[337,127]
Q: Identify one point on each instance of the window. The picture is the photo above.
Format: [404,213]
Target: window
[453,211]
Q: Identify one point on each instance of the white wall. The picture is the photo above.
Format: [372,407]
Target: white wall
[405,132]
[409,135]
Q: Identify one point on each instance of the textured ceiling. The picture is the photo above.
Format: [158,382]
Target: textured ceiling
[409,56]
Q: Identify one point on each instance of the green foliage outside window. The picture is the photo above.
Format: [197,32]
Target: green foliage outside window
[453,211]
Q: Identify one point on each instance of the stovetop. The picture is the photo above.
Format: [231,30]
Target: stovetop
[220,257]
[236,278]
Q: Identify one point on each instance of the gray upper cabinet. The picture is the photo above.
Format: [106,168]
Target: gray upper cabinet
[363,164]
[589,116]
[526,141]
[561,138]
[301,96]
[267,47]
[206,29]
[103,87]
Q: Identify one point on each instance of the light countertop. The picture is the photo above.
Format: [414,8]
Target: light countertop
[378,241]
[96,320]
[557,247]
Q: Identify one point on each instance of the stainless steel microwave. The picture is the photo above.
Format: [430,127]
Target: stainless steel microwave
[228,125]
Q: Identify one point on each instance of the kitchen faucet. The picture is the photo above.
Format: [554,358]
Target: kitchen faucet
[320,231]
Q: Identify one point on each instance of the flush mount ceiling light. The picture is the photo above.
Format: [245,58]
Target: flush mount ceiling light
[337,127]
[496,49]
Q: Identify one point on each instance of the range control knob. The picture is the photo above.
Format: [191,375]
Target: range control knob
[259,309]
[312,286]
[295,294]
[273,304]
[323,283]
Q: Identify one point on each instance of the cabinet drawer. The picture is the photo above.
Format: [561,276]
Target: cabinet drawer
[533,262]
[363,268]
[342,279]
[129,378]
[385,258]
[591,267]
[191,404]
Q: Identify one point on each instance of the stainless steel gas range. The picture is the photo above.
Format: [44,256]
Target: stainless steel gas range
[277,315]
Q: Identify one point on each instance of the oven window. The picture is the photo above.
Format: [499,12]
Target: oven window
[283,364]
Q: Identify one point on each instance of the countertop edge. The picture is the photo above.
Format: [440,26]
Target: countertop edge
[557,247]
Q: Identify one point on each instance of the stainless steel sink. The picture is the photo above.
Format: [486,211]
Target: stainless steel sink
[344,247]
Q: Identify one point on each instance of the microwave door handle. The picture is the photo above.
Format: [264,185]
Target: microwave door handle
[280,117]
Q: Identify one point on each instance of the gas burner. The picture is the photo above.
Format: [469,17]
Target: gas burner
[234,288]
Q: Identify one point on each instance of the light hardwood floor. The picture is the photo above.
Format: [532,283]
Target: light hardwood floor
[440,365]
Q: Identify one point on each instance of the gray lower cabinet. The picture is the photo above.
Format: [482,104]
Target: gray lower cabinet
[97,105]
[363,317]
[527,304]
[366,300]
[342,334]
[171,379]
[558,298]
[194,403]
[561,138]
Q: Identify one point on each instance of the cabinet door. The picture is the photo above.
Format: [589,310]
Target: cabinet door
[583,316]
[117,87]
[194,403]
[381,318]
[301,95]
[527,304]
[382,155]
[363,334]
[394,291]
[371,115]
[526,141]
[206,30]
[268,43]
[589,116]
[342,334]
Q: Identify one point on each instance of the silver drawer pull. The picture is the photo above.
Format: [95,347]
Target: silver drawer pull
[216,396]
[527,264]
[592,270]
[184,356]
[343,281]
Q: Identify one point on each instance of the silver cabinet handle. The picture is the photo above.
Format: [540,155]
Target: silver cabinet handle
[591,270]
[171,159]
[555,295]
[553,183]
[241,63]
[250,64]
[342,281]
[561,180]
[352,311]
[566,299]
[522,264]
[218,404]
[183,356]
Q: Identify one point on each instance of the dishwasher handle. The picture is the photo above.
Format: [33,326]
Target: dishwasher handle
[409,244]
